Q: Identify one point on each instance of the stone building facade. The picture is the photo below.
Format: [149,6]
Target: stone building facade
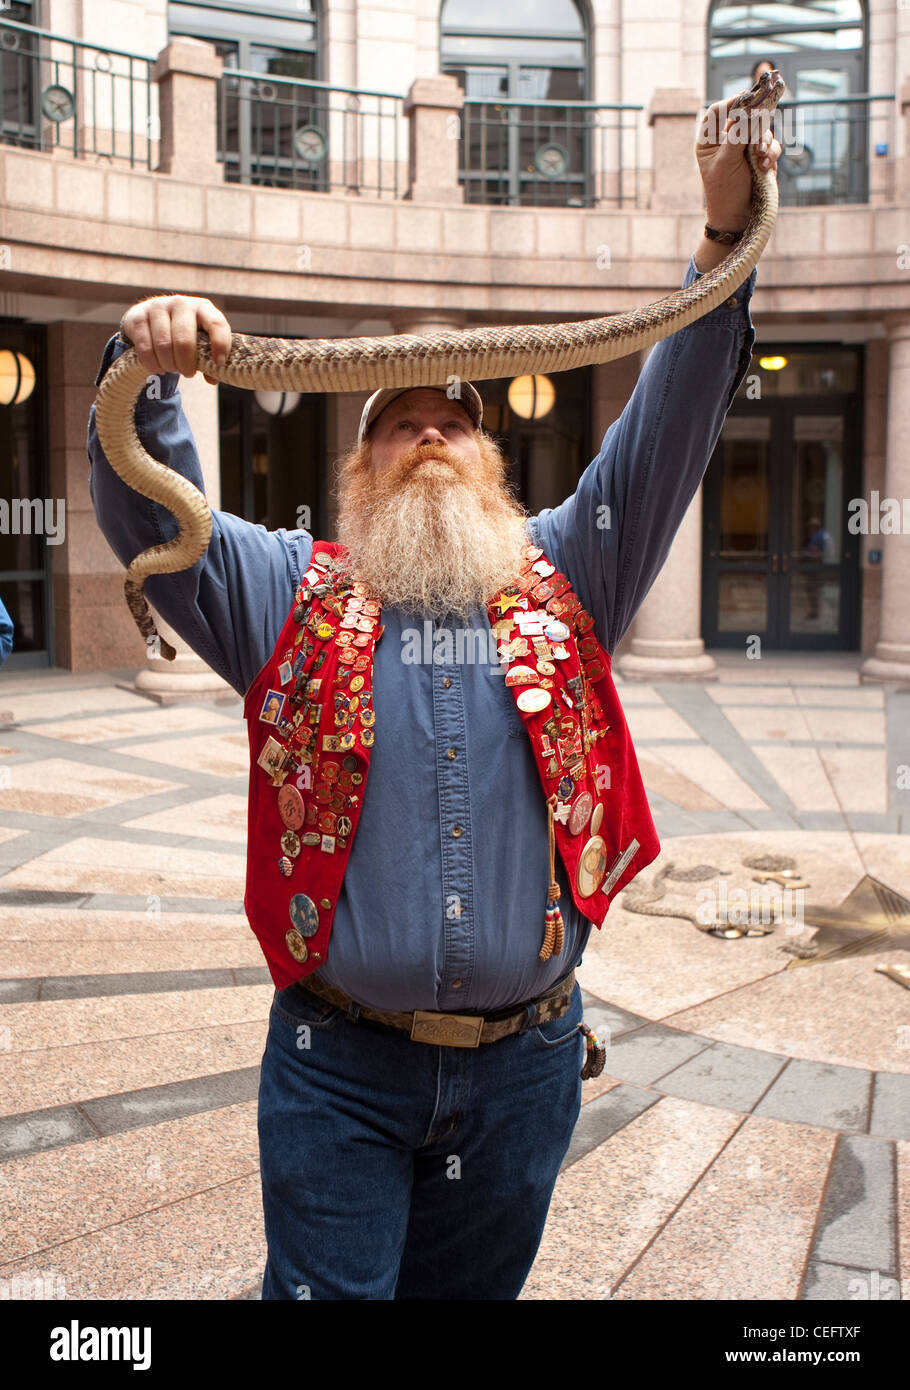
[363,167]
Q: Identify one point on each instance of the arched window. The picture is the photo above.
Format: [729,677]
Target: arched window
[518,61]
[819,47]
[269,131]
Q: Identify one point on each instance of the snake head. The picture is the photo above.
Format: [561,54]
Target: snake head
[764,96]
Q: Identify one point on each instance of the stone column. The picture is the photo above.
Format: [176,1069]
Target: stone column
[433,106]
[676,183]
[891,661]
[186,72]
[665,642]
[428,321]
[188,677]
[903,157]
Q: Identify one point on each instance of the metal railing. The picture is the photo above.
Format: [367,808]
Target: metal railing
[290,132]
[521,153]
[836,150]
[58,93]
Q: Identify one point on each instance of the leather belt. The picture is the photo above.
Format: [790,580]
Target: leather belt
[455,1030]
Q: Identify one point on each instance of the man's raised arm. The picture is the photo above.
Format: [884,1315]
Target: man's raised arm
[612,536]
[230,606]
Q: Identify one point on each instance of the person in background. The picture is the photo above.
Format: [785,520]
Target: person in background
[6,633]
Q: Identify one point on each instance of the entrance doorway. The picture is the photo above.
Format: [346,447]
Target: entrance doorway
[778,560]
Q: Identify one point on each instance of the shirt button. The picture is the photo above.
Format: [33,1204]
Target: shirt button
[456,831]
[451,753]
[447,682]
[732,302]
[456,984]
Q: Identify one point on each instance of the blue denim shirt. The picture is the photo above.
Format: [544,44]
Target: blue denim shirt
[428,919]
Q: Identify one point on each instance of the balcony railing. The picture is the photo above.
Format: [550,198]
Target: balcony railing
[521,153]
[58,93]
[836,151]
[288,132]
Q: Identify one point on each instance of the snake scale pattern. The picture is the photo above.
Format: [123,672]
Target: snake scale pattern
[406,359]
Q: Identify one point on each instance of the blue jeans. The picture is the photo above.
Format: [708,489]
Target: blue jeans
[394,1169]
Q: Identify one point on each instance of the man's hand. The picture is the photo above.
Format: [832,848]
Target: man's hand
[163,331]
[724,168]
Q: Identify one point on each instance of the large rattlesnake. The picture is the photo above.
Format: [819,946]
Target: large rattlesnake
[355,364]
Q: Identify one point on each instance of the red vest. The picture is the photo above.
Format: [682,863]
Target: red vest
[310,719]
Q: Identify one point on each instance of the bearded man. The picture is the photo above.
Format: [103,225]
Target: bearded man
[430,841]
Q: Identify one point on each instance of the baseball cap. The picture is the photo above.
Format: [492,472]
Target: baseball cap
[468,397]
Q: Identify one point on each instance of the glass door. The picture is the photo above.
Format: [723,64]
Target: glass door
[738,522]
[778,561]
[816,539]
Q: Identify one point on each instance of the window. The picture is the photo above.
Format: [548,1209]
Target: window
[819,47]
[18,79]
[269,132]
[517,63]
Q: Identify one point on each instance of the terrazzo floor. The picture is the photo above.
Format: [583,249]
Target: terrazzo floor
[748,1139]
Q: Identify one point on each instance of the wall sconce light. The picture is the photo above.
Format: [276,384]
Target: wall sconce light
[531,397]
[17,377]
[277,402]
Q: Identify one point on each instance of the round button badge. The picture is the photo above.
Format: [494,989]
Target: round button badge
[533,700]
[290,806]
[290,843]
[579,814]
[296,945]
[304,915]
[592,867]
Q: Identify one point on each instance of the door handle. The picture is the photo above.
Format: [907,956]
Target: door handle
[774,563]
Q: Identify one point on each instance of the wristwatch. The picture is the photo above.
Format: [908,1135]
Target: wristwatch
[726,238]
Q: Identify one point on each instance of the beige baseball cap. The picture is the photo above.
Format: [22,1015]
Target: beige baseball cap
[467,396]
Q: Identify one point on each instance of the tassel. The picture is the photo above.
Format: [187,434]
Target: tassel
[554,929]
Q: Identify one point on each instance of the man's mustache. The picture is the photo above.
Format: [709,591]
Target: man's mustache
[414,457]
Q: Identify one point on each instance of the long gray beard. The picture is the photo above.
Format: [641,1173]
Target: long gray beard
[436,547]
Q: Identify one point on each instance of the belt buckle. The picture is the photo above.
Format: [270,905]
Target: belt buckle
[446,1030]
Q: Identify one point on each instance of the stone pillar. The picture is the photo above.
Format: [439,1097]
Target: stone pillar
[891,661]
[429,321]
[433,106]
[676,183]
[186,72]
[903,157]
[188,677]
[665,642]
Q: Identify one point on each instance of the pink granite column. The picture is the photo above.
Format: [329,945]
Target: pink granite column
[187,72]
[433,107]
[891,661]
[903,161]
[665,638]
[676,184]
